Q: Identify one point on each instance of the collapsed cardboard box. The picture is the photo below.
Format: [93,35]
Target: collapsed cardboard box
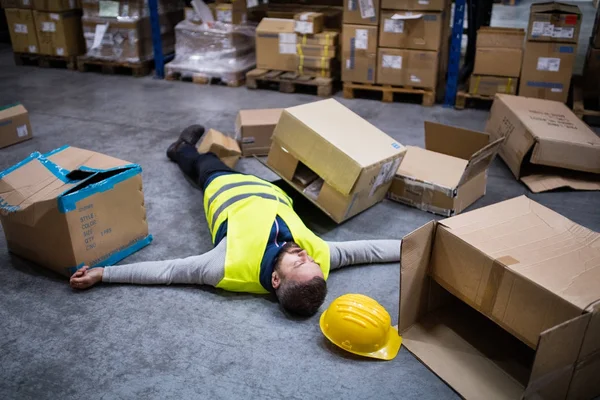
[21,26]
[364,12]
[254,128]
[73,207]
[503,302]
[226,148]
[319,149]
[359,53]
[546,145]
[276,44]
[14,125]
[411,30]
[59,34]
[490,85]
[417,68]
[554,22]
[449,174]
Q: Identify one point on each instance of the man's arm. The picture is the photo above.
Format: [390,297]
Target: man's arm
[205,269]
[363,252]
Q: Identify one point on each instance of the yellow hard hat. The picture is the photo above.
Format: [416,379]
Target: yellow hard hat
[361,325]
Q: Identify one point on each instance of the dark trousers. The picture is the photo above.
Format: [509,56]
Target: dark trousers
[199,167]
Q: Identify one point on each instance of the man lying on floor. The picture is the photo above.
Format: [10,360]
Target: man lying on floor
[261,244]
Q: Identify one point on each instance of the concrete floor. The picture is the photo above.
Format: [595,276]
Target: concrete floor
[187,342]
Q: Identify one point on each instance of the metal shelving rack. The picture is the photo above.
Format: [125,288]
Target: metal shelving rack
[159,57]
[454,55]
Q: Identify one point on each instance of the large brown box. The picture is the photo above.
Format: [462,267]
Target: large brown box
[418,68]
[254,129]
[503,302]
[547,147]
[490,85]
[80,208]
[59,34]
[414,5]
[55,5]
[361,12]
[508,38]
[359,53]
[411,30]
[231,13]
[547,70]
[498,61]
[14,126]
[16,3]
[276,44]
[21,26]
[554,22]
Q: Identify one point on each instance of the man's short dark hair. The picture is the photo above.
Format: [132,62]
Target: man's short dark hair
[300,298]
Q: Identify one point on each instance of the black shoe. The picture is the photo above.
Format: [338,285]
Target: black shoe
[190,135]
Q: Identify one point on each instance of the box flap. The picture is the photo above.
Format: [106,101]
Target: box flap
[12,111]
[538,183]
[268,116]
[453,141]
[481,160]
[536,243]
[330,139]
[275,25]
[432,167]
[551,7]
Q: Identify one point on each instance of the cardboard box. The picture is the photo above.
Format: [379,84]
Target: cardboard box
[316,51]
[327,38]
[547,70]
[449,174]
[276,44]
[226,148]
[544,140]
[55,5]
[21,26]
[124,9]
[309,22]
[502,302]
[591,72]
[414,5]
[14,125]
[80,208]
[554,22]
[231,13]
[319,149]
[254,128]
[16,4]
[508,38]
[59,34]
[325,63]
[410,30]
[490,85]
[498,61]
[416,68]
[359,53]
[361,12]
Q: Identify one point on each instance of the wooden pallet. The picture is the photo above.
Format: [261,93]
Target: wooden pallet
[388,92]
[90,64]
[468,100]
[45,61]
[203,79]
[288,82]
[583,107]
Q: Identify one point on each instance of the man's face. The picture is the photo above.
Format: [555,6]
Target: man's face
[296,265]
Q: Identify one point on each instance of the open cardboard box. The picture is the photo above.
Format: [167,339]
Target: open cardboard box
[503,302]
[449,174]
[226,148]
[546,145]
[73,207]
[333,157]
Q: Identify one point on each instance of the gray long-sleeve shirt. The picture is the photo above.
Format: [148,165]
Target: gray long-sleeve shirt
[209,268]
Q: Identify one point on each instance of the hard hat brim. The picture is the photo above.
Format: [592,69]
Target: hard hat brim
[386,353]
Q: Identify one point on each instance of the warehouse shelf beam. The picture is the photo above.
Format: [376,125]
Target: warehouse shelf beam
[454,56]
[159,57]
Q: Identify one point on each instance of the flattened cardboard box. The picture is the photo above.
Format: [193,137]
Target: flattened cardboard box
[276,44]
[449,174]
[503,302]
[363,12]
[547,146]
[319,149]
[226,148]
[414,5]
[554,22]
[411,30]
[14,125]
[254,128]
[73,207]
[490,85]
[21,26]
[359,53]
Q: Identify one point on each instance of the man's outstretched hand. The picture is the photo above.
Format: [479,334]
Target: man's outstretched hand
[86,277]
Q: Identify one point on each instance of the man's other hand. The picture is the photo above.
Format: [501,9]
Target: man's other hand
[86,277]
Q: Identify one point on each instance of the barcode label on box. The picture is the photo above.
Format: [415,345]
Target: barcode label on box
[366,8]
[304,27]
[22,131]
[60,51]
[390,61]
[251,3]
[362,39]
[383,175]
[55,17]
[247,140]
[548,64]
[556,90]
[423,2]
[33,49]
[393,26]
[48,27]
[414,78]
[563,33]
[287,38]
[20,28]
[287,48]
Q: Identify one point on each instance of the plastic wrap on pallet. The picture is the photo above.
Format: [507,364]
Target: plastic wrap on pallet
[126,8]
[214,50]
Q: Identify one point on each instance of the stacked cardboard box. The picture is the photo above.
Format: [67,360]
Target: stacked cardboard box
[550,51]
[121,31]
[359,34]
[230,12]
[498,59]
[591,69]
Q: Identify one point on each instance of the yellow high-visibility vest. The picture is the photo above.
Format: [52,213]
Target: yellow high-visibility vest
[250,205]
